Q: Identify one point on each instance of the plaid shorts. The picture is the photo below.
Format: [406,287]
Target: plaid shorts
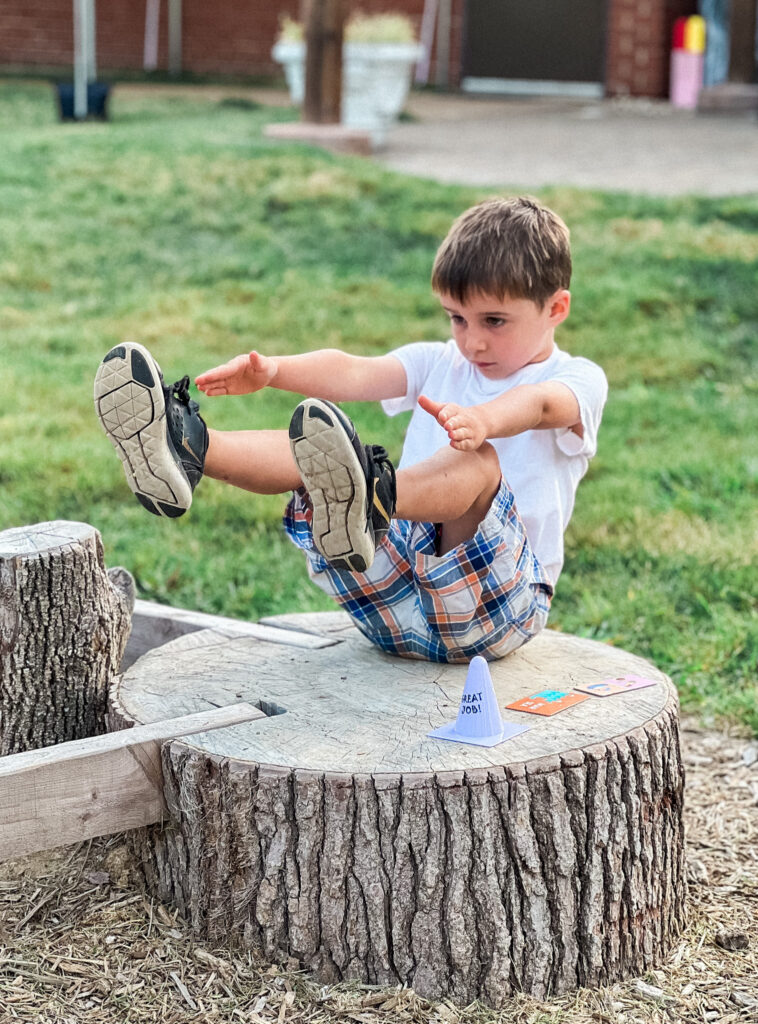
[487,596]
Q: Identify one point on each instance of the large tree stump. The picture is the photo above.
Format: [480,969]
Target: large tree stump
[335,831]
[64,624]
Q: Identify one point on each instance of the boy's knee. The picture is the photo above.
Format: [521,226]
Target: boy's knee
[484,471]
[489,457]
[490,467]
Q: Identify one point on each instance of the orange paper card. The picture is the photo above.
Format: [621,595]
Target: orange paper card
[547,702]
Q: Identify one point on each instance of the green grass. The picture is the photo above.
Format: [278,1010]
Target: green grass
[180,226]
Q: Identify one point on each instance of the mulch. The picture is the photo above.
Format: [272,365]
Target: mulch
[80,941]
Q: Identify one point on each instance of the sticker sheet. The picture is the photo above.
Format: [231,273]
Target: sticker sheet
[621,684]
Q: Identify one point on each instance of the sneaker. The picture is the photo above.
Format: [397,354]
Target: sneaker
[156,430]
[351,485]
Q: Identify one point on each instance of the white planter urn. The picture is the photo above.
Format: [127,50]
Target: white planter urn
[376,79]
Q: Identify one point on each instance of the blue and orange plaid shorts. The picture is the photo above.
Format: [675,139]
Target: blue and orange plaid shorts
[487,596]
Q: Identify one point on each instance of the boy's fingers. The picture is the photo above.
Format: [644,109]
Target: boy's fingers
[223,372]
[214,374]
[433,408]
[208,377]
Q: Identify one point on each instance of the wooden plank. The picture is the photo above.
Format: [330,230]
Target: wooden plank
[324,28]
[92,787]
[155,624]
[332,625]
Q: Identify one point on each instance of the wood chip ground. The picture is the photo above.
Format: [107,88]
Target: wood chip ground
[80,942]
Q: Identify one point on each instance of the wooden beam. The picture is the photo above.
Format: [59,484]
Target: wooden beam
[155,624]
[324,29]
[92,787]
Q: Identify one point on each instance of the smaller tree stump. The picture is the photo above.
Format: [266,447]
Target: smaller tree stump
[64,623]
[336,831]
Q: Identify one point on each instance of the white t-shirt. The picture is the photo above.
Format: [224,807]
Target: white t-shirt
[543,467]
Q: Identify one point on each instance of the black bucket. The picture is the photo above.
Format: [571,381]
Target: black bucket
[97,100]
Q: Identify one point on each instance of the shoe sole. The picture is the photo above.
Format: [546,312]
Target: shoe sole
[333,476]
[130,405]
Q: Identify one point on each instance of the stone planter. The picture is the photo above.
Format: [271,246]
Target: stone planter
[376,80]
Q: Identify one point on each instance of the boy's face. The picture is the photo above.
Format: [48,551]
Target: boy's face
[500,336]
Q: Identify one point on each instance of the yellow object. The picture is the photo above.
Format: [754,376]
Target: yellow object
[359,28]
[694,34]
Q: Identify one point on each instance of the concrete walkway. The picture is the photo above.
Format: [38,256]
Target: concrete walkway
[526,143]
[631,145]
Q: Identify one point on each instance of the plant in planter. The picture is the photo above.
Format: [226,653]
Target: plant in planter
[378,56]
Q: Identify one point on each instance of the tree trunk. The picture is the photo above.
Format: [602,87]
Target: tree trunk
[64,624]
[337,832]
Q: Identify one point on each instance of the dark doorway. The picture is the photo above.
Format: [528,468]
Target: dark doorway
[535,41]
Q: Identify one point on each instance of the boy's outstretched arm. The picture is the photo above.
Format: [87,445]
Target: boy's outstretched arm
[326,373]
[527,407]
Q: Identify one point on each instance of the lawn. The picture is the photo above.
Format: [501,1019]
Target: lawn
[179,226]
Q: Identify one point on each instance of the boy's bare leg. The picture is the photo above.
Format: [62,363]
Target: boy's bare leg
[255,460]
[451,487]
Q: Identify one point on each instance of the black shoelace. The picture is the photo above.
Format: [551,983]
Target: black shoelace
[382,459]
[181,390]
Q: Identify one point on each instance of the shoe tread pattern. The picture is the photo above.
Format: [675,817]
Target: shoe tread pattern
[133,416]
[334,479]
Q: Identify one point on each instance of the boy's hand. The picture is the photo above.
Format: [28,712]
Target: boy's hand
[465,425]
[240,376]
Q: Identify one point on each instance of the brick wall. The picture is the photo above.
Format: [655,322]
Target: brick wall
[41,33]
[235,37]
[639,45]
[231,38]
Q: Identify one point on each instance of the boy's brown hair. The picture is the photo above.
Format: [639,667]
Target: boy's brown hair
[504,247]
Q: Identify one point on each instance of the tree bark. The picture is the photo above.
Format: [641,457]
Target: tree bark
[503,872]
[64,624]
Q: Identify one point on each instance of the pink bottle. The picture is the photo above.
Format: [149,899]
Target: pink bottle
[687,62]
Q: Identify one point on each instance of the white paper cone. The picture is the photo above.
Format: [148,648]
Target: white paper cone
[479,719]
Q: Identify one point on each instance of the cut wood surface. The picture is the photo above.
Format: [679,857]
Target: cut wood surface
[64,622]
[337,832]
[92,787]
[350,708]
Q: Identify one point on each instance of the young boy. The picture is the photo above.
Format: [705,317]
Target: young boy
[457,553]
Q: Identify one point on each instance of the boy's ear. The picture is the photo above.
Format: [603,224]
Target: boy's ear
[560,305]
